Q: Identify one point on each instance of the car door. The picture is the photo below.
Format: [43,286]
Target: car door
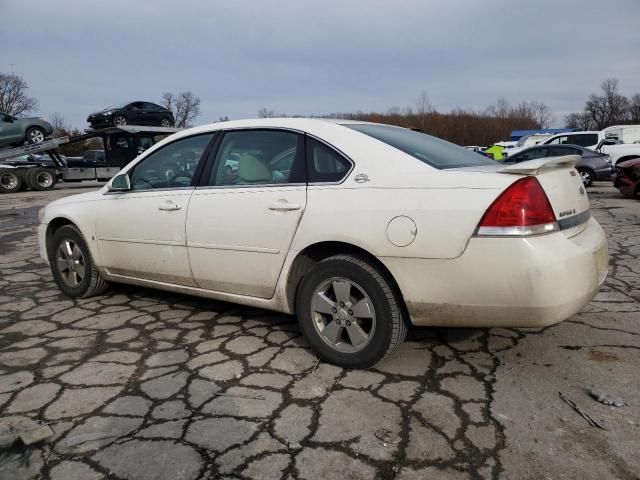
[241,220]
[141,232]
[135,115]
[11,131]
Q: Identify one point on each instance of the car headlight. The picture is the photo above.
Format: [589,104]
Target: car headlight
[109,112]
[41,213]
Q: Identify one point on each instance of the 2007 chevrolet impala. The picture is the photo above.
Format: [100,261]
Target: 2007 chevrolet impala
[357,228]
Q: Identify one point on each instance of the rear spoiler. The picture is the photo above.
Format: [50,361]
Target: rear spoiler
[533,167]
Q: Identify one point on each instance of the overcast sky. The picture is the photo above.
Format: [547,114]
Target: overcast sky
[318,57]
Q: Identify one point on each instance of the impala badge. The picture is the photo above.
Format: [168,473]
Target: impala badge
[361,178]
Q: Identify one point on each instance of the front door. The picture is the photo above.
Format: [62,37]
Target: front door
[243,217]
[141,233]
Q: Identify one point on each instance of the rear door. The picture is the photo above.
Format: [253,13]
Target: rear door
[10,130]
[243,217]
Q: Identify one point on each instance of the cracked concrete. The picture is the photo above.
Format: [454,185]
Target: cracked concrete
[143,384]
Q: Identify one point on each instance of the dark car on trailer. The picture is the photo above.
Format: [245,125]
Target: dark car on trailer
[627,177]
[134,113]
[592,165]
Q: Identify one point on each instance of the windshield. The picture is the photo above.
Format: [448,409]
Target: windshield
[430,150]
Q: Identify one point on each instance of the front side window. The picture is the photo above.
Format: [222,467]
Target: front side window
[430,150]
[172,166]
[258,157]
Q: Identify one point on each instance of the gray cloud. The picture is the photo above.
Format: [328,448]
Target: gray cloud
[318,57]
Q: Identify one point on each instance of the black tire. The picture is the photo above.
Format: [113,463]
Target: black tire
[41,179]
[10,182]
[390,327]
[91,283]
[119,120]
[587,176]
[166,122]
[35,135]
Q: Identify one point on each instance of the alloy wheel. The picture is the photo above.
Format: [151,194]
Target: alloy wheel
[120,120]
[586,177]
[70,262]
[165,123]
[343,315]
[36,136]
[9,181]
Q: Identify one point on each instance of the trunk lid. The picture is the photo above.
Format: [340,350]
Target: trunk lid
[560,181]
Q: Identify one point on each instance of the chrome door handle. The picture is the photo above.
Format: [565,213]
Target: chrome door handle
[285,206]
[169,206]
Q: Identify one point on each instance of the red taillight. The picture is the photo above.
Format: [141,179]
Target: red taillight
[518,210]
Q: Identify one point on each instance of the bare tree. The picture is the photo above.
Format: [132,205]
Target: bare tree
[265,112]
[424,107]
[184,105]
[541,114]
[634,108]
[608,108]
[581,120]
[223,119]
[60,127]
[13,99]
[500,109]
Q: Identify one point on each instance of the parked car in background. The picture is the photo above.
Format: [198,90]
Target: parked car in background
[303,228]
[627,177]
[134,113]
[588,139]
[592,166]
[621,152]
[15,131]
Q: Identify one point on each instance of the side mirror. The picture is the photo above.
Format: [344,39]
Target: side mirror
[120,183]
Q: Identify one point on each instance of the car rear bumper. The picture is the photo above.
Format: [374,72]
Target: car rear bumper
[604,174]
[509,282]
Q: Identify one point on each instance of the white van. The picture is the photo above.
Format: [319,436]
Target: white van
[624,133]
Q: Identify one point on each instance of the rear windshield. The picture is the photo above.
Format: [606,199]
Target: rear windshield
[430,150]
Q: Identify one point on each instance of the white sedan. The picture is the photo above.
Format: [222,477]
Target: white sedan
[359,229]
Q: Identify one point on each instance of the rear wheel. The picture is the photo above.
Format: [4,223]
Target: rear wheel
[165,122]
[10,182]
[587,176]
[72,266]
[349,312]
[35,135]
[41,179]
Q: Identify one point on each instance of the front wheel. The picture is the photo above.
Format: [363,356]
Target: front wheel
[586,175]
[119,120]
[72,266]
[349,312]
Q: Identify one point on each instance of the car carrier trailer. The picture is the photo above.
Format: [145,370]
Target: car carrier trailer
[20,168]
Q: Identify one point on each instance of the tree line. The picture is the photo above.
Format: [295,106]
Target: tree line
[461,126]
[605,109]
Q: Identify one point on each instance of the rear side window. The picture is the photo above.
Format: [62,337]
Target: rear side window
[584,140]
[325,165]
[430,150]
